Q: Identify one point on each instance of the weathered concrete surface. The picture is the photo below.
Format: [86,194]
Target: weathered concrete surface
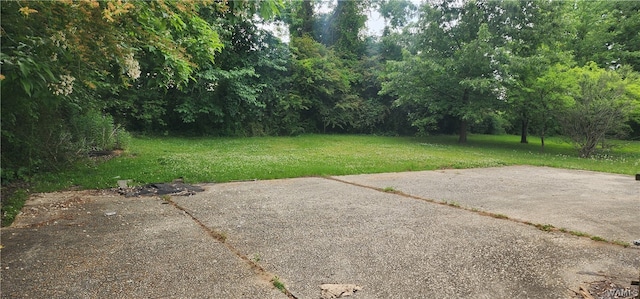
[313,231]
[310,232]
[600,204]
[146,250]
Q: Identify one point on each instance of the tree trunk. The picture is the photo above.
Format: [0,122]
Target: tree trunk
[542,138]
[306,14]
[462,137]
[525,128]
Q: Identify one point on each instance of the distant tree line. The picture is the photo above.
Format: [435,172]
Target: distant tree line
[77,76]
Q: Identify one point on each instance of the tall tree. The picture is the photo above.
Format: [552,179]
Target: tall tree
[344,29]
[453,70]
[66,60]
[605,32]
[532,32]
[627,32]
[58,58]
[321,86]
[301,18]
[547,93]
[396,13]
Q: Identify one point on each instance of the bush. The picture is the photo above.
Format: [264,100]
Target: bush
[51,143]
[93,131]
[600,107]
[11,205]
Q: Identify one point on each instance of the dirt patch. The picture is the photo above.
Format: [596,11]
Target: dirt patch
[47,208]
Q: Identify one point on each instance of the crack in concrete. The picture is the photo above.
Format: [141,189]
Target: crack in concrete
[257,269]
[542,227]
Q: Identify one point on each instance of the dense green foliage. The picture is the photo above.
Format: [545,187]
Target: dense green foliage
[74,73]
[78,74]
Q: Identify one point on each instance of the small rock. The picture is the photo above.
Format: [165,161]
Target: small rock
[109,214]
[636,242]
[123,184]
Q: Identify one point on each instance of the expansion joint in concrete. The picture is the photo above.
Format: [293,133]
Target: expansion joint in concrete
[220,237]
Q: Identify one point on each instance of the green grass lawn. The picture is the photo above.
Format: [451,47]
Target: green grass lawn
[162,159]
[197,160]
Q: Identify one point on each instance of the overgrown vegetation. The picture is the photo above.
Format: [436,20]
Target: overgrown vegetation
[11,205]
[78,75]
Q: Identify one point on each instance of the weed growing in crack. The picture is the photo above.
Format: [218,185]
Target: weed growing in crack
[256,257]
[278,284]
[545,227]
[222,237]
[599,239]
[578,234]
[621,243]
[499,216]
[453,204]
[389,190]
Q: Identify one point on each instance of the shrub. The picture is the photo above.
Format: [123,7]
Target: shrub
[51,143]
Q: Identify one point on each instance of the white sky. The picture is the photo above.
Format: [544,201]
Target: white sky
[375,22]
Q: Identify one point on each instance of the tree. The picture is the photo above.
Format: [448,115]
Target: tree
[321,86]
[532,32]
[534,88]
[626,28]
[453,70]
[547,95]
[396,13]
[66,60]
[60,57]
[343,29]
[300,17]
[602,102]
[329,71]
[605,32]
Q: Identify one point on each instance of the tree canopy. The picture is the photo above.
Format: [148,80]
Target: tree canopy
[78,75]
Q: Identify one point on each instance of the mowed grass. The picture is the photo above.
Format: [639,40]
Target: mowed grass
[197,160]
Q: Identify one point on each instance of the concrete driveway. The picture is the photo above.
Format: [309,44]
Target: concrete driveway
[235,239]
